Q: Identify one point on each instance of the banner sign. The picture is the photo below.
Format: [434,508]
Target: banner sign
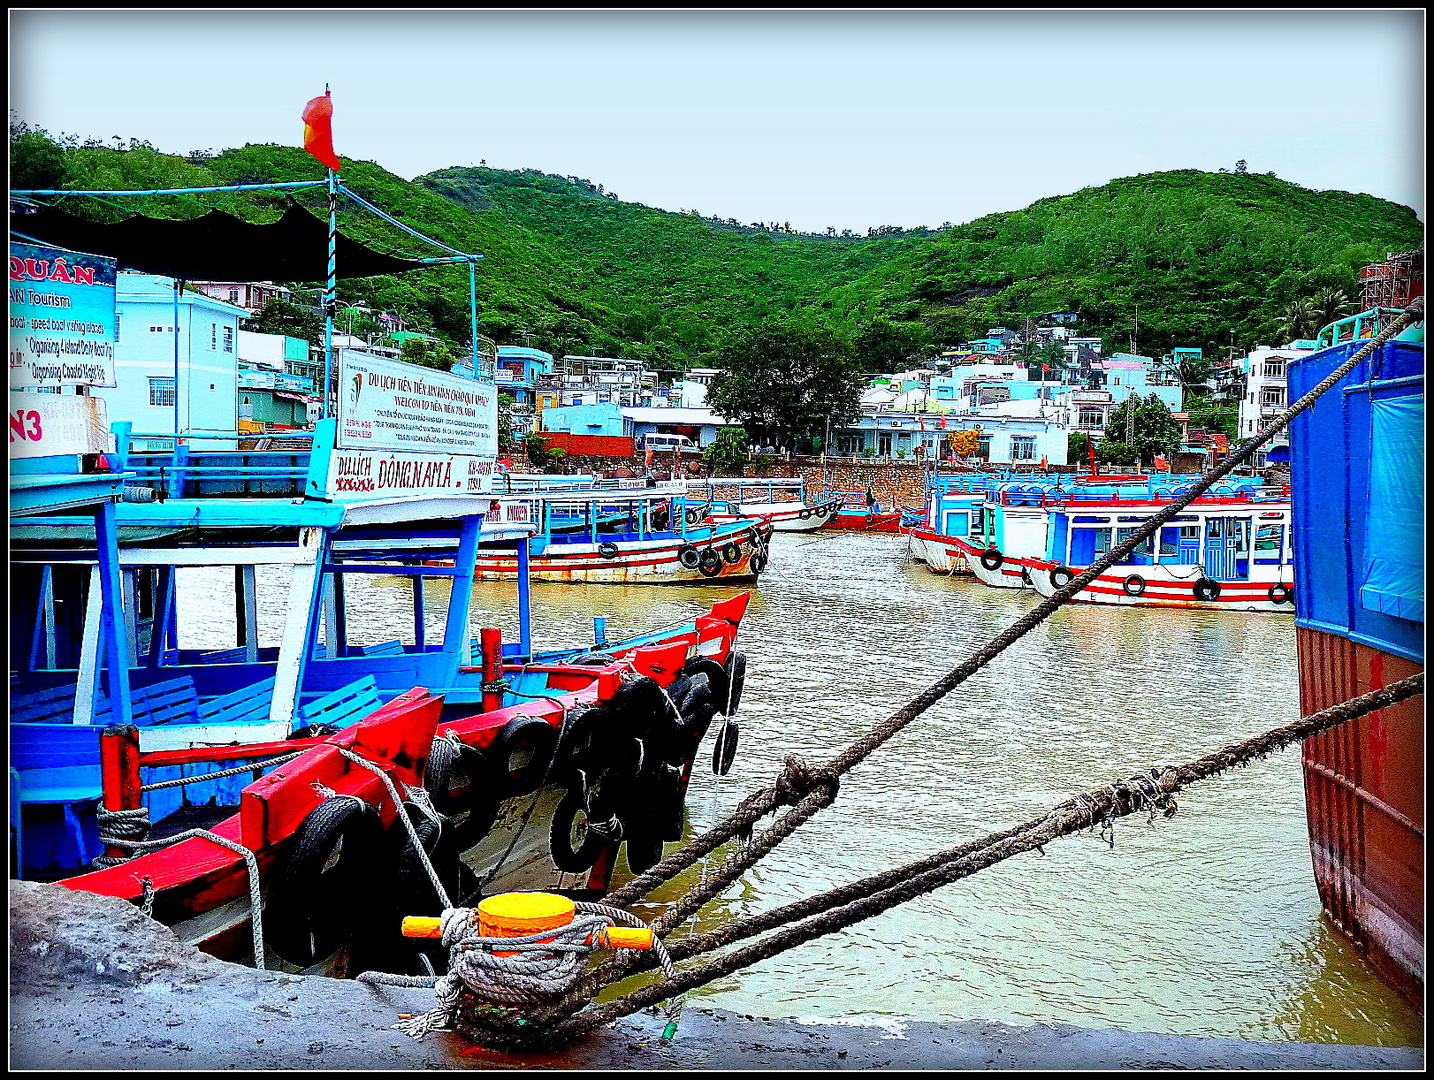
[389,405]
[43,425]
[62,318]
[362,475]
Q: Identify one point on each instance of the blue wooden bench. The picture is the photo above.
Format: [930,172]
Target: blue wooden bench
[173,701]
[248,704]
[58,765]
[344,706]
[385,648]
[55,705]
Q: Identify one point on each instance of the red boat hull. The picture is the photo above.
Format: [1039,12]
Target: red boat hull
[1364,790]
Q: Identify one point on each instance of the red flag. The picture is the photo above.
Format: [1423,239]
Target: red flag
[1090,446]
[318,130]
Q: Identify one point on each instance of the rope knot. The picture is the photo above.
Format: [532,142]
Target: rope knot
[798,780]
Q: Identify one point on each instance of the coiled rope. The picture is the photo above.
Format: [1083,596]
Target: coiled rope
[807,791]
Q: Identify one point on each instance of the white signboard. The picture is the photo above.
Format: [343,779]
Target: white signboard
[360,475]
[390,405]
[43,425]
[62,318]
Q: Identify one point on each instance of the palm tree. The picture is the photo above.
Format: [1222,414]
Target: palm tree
[1300,320]
[1331,305]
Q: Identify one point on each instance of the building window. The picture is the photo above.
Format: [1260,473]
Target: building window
[1275,369]
[1272,395]
[1091,418]
[161,390]
[234,296]
[229,339]
[214,335]
[1023,448]
[161,329]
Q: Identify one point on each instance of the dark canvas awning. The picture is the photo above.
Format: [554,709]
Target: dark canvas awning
[215,247]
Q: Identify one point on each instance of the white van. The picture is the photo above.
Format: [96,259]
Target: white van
[668,443]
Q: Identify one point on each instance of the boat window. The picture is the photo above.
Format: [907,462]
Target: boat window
[1215,528]
[1270,543]
[1145,547]
[1102,541]
[1184,517]
[1130,517]
[1079,520]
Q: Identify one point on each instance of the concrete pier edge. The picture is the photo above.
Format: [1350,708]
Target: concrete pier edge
[95,985]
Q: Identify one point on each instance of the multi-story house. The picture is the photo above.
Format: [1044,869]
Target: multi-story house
[176,360]
[1265,390]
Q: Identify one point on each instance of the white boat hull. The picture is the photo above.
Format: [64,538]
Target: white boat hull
[1174,585]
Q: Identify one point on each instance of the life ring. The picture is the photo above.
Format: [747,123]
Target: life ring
[732,553]
[694,515]
[689,556]
[1133,585]
[1061,575]
[320,889]
[758,562]
[522,753]
[608,550]
[992,559]
[1281,593]
[1205,589]
[710,564]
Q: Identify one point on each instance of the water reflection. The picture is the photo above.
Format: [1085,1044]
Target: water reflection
[1204,924]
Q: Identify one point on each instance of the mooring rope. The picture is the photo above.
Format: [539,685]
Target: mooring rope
[846,905]
[807,791]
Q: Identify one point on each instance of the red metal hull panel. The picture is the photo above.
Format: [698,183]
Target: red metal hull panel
[1364,791]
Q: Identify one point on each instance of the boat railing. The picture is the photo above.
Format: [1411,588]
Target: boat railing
[229,470]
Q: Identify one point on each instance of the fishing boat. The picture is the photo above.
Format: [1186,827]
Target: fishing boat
[497,756]
[946,535]
[1357,474]
[779,502]
[859,512]
[1227,553]
[651,536]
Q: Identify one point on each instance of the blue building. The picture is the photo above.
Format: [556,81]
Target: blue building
[602,419]
[176,358]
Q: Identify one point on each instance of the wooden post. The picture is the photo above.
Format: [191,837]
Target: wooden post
[119,773]
[491,641]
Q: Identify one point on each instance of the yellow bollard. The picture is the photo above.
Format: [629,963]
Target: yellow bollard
[522,914]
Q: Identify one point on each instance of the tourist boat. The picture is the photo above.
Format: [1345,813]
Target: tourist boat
[1357,474]
[1227,553]
[652,536]
[859,512]
[946,536]
[331,740]
[779,502]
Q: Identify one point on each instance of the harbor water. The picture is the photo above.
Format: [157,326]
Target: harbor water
[1206,923]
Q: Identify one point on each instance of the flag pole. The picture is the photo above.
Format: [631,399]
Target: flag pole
[329,291]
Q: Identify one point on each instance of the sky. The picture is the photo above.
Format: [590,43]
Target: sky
[844,119]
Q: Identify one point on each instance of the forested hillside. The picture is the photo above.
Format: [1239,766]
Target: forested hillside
[1200,259]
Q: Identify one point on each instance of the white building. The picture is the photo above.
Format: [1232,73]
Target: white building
[1266,393]
[176,360]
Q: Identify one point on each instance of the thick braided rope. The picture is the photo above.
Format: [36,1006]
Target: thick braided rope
[861,900]
[764,802]
[181,781]
[544,965]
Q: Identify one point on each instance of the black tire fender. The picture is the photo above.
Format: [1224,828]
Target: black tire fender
[758,562]
[736,669]
[724,749]
[992,559]
[608,550]
[1282,593]
[689,556]
[732,553]
[523,753]
[1061,576]
[321,886]
[566,856]
[1133,585]
[1205,589]
[710,564]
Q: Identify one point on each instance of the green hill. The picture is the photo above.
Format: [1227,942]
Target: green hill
[1206,259]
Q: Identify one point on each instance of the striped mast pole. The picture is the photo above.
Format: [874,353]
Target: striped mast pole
[331,290]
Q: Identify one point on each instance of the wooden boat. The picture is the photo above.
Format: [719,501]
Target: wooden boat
[649,537]
[781,503]
[859,512]
[515,748]
[1356,468]
[1230,553]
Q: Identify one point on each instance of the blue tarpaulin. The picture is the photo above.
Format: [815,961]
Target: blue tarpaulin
[1394,540]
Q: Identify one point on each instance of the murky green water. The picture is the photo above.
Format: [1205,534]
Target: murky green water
[1204,924]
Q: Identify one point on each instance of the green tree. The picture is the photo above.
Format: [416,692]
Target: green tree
[507,440]
[1330,305]
[1194,374]
[1143,426]
[37,162]
[1077,447]
[541,453]
[728,452]
[1115,452]
[787,381]
[886,346]
[280,316]
[1207,416]
[1300,320]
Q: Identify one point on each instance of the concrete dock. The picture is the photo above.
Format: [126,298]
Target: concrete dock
[95,985]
